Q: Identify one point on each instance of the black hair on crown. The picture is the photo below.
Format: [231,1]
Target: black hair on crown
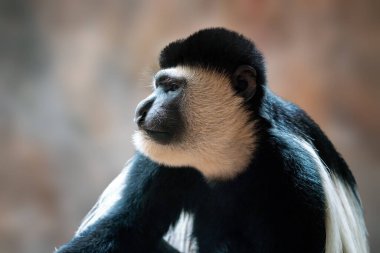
[215,48]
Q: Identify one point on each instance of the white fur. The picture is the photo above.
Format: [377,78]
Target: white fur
[180,235]
[111,195]
[345,227]
[219,138]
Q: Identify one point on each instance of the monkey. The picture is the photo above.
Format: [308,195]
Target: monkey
[223,165]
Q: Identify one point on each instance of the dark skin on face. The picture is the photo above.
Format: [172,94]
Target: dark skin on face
[159,115]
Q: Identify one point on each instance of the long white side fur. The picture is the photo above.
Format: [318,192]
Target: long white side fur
[345,227]
[111,195]
[179,235]
[219,138]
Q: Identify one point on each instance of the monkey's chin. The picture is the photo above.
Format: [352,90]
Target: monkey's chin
[175,155]
[166,154]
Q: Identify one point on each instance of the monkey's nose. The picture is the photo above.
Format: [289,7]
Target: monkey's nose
[142,110]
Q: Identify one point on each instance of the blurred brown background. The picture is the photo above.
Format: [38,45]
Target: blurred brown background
[72,72]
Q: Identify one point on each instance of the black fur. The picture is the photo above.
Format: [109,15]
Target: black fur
[276,205]
[216,48]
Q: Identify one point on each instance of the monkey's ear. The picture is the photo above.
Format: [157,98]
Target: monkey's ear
[244,81]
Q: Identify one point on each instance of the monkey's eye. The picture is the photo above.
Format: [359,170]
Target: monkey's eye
[168,84]
[171,86]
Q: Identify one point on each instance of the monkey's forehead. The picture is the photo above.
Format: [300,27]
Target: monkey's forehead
[176,72]
[214,48]
[192,74]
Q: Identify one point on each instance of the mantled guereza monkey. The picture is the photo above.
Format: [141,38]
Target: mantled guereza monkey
[224,165]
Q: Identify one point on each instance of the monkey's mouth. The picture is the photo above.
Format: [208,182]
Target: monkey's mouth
[158,136]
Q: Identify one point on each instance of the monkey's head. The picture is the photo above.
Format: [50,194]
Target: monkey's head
[200,113]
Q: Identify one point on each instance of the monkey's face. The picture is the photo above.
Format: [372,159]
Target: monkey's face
[195,117]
